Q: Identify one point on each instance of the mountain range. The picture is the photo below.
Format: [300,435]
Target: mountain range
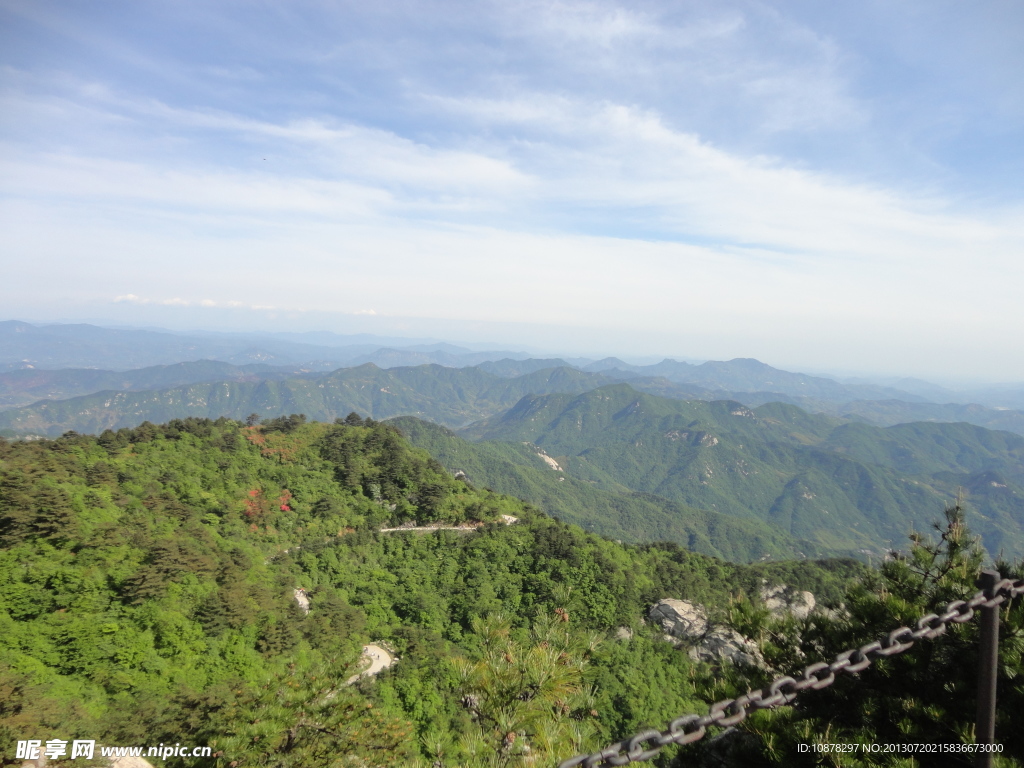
[736,459]
[841,485]
[452,396]
[53,401]
[614,510]
[57,346]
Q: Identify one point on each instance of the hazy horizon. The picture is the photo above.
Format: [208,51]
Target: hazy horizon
[596,354]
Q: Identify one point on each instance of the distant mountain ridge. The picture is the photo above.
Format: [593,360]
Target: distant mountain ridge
[452,396]
[33,356]
[750,375]
[823,484]
[840,485]
[52,401]
[58,346]
[88,346]
[29,385]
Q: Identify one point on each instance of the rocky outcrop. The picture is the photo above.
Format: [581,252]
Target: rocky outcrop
[548,460]
[302,599]
[686,624]
[122,761]
[679,619]
[129,762]
[728,644]
[783,600]
[623,633]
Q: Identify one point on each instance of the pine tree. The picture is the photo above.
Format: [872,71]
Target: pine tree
[926,694]
[529,702]
[306,716]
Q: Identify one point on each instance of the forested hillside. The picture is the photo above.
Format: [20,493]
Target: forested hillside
[843,486]
[39,401]
[613,510]
[148,585]
[717,476]
[28,385]
[452,396]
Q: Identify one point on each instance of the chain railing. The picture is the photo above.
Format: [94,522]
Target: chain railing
[691,728]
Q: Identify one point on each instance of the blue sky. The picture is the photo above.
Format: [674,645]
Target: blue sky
[819,185]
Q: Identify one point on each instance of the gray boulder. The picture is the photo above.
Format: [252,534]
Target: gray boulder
[679,619]
[724,643]
[783,600]
[686,623]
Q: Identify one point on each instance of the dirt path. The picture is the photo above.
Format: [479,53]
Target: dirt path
[427,528]
[379,660]
[505,519]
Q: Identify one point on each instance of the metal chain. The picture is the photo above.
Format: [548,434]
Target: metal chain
[691,728]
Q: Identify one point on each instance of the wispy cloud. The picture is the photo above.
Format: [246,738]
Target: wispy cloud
[177,301]
[720,168]
[584,164]
[580,156]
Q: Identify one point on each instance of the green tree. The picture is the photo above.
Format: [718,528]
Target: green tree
[926,694]
[528,701]
[305,715]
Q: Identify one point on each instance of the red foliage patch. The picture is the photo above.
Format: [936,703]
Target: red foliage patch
[256,506]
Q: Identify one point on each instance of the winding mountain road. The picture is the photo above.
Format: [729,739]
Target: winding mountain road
[379,659]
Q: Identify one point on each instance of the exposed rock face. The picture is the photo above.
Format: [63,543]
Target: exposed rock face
[120,761]
[680,619]
[724,643]
[548,460]
[129,762]
[785,600]
[302,599]
[687,622]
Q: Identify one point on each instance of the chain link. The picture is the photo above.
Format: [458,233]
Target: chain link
[782,690]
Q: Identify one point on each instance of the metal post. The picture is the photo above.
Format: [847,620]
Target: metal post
[985,728]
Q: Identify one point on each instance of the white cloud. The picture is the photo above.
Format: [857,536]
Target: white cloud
[177,301]
[582,164]
[579,156]
[705,64]
[131,298]
[598,23]
[362,152]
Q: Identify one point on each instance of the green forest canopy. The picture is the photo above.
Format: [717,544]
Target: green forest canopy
[147,585]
